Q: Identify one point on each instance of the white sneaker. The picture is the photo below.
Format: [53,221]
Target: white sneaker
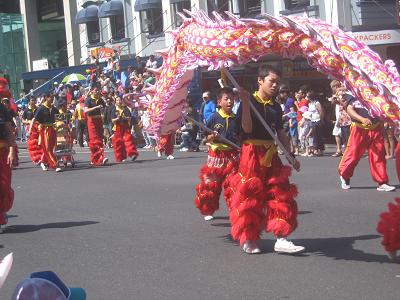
[170,157]
[184,149]
[345,183]
[44,167]
[105,160]
[385,188]
[158,154]
[251,247]
[208,218]
[58,169]
[284,246]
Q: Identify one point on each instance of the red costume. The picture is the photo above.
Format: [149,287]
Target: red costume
[34,149]
[213,176]
[262,195]
[166,144]
[123,143]
[6,192]
[362,138]
[95,130]
[389,227]
[48,140]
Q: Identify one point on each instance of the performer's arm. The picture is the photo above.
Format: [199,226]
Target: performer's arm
[11,158]
[354,115]
[247,123]
[31,124]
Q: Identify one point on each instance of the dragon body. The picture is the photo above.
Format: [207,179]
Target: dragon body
[218,43]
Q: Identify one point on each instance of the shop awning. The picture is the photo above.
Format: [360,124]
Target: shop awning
[147,4]
[177,1]
[111,8]
[88,14]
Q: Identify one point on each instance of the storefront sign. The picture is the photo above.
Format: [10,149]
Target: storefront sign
[103,54]
[41,64]
[380,37]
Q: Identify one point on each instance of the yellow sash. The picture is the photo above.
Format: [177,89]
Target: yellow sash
[272,149]
[219,147]
[366,127]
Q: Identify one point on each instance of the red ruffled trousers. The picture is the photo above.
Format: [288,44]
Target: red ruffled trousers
[48,140]
[360,140]
[213,176]
[389,227]
[6,192]
[34,149]
[123,142]
[262,196]
[166,144]
[95,130]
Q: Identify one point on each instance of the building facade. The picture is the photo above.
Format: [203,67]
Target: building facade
[71,32]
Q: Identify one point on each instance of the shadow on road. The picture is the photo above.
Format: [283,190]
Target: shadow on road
[31,228]
[337,248]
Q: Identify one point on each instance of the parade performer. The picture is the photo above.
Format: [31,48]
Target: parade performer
[389,227]
[366,133]
[13,114]
[34,149]
[45,116]
[262,195]
[123,143]
[93,106]
[222,160]
[7,161]
[81,121]
[166,145]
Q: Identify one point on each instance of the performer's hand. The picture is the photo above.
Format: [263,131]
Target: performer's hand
[296,165]
[11,159]
[366,121]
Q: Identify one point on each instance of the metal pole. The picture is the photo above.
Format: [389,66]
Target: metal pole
[205,128]
[40,86]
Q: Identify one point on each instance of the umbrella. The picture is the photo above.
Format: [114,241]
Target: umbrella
[73,78]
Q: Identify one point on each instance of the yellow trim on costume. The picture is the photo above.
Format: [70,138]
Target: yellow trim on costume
[272,149]
[219,147]
[261,100]
[366,127]
[120,113]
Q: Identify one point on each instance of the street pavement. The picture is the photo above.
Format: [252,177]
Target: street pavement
[131,231]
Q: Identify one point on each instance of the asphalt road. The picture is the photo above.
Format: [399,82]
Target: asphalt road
[131,231]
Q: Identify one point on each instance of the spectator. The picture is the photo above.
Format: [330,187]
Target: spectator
[315,108]
[208,107]
[151,62]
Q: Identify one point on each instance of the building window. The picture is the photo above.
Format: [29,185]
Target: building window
[219,6]
[250,8]
[296,4]
[93,32]
[117,25]
[178,7]
[152,21]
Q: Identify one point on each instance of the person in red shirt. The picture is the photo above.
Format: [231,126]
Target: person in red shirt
[301,101]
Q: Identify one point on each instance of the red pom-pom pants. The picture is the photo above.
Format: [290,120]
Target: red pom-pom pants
[220,165]
[34,149]
[263,198]
[6,192]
